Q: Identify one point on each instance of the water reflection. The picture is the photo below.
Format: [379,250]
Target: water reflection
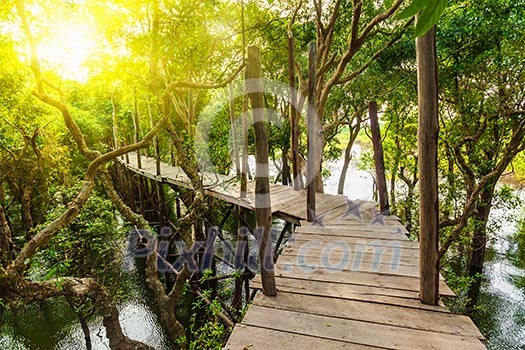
[53,324]
[501,313]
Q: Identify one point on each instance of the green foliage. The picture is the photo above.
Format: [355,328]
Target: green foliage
[460,284]
[429,13]
[91,245]
[519,167]
[212,333]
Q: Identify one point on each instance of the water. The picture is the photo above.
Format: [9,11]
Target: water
[501,314]
[54,326]
[359,184]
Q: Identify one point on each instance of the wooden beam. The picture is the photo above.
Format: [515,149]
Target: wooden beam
[428,129]
[244,121]
[263,211]
[235,136]
[379,161]
[136,127]
[156,147]
[312,137]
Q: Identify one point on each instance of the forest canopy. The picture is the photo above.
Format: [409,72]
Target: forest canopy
[85,83]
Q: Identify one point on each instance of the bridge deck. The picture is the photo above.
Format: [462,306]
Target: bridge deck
[348,281]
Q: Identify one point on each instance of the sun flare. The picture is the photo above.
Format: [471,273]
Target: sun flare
[66,50]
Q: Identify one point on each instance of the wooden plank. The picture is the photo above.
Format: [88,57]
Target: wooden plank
[375,227]
[297,238]
[368,256]
[297,209]
[360,278]
[246,337]
[365,220]
[349,264]
[283,199]
[355,332]
[390,315]
[351,292]
[278,188]
[378,233]
[327,203]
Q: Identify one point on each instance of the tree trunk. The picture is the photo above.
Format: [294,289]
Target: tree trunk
[313,171]
[379,161]
[25,205]
[85,329]
[344,170]
[166,302]
[6,242]
[286,168]
[479,242]
[294,118]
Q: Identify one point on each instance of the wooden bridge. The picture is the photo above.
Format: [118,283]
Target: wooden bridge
[347,280]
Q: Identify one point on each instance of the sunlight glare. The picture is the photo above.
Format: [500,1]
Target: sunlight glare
[66,50]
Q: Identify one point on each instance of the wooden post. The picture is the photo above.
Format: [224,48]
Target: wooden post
[235,136]
[244,121]
[124,144]
[173,159]
[312,138]
[294,118]
[136,127]
[379,161]
[115,126]
[156,149]
[428,129]
[263,212]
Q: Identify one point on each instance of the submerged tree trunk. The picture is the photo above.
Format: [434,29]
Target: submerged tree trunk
[353,130]
[479,242]
[344,169]
[85,329]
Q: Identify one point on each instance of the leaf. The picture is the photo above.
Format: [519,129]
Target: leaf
[414,8]
[388,3]
[52,273]
[58,283]
[430,16]
[270,2]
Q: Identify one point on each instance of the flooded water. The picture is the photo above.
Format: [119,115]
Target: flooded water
[54,326]
[501,308]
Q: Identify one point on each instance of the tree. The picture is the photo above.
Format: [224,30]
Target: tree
[487,105]
[349,39]
[15,286]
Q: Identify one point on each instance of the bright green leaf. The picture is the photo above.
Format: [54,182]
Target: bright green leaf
[413,9]
[388,3]
[52,273]
[430,16]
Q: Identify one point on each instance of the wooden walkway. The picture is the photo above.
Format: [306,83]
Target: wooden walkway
[348,281]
